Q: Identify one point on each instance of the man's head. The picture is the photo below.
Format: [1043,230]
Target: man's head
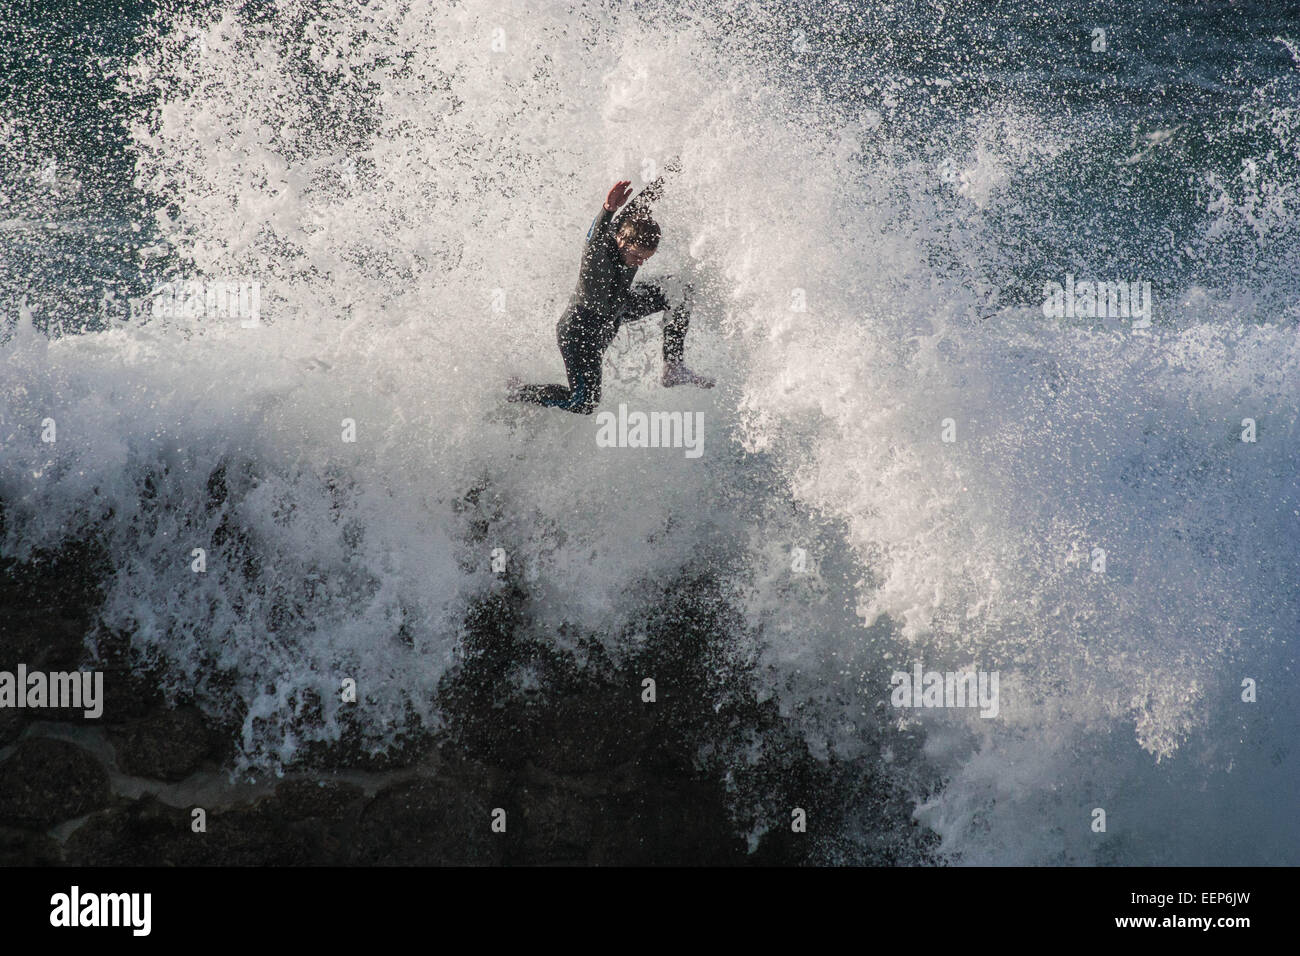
[637,240]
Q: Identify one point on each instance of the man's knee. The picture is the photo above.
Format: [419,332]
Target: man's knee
[578,405]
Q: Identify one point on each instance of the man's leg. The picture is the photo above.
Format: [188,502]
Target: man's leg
[582,365]
[675,325]
[537,394]
[649,298]
[582,361]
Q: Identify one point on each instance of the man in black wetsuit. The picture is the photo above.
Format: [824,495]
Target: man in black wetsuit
[606,298]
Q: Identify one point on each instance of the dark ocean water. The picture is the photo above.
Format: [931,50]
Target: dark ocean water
[1178,85]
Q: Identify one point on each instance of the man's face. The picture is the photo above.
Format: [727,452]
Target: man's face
[632,254]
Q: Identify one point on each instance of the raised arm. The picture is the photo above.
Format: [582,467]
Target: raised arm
[617,196]
[650,195]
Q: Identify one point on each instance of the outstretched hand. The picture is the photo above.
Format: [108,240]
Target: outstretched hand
[619,194]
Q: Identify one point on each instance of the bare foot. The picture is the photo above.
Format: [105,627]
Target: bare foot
[675,373]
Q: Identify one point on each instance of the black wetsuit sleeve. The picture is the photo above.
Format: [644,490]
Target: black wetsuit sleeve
[601,226]
[601,279]
[640,206]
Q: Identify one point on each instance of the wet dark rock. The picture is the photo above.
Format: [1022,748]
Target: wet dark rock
[48,604]
[164,745]
[666,822]
[47,781]
[28,848]
[353,751]
[148,832]
[47,613]
[444,820]
[130,691]
[323,813]
[130,834]
[586,771]
[596,731]
[632,816]
[41,639]
[560,817]
[12,723]
[304,799]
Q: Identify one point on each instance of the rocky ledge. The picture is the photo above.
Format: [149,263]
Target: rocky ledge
[576,770]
